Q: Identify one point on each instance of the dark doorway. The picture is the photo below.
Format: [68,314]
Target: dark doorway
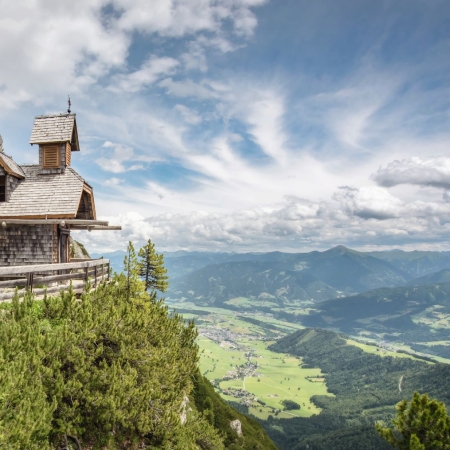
[64,235]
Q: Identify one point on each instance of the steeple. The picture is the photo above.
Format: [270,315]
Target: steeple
[57,138]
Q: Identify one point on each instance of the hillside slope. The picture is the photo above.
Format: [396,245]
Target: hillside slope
[220,414]
[366,388]
[315,276]
[416,263]
[443,276]
[388,310]
[218,283]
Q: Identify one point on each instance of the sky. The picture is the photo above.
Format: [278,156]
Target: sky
[243,125]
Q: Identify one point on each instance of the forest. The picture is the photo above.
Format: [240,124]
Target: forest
[366,388]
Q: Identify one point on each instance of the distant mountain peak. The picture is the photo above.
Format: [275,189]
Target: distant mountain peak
[341,249]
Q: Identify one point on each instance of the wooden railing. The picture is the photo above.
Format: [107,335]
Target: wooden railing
[52,278]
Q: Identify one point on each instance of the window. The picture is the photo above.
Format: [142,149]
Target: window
[50,157]
[2,188]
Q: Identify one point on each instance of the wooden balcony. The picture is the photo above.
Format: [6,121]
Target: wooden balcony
[52,278]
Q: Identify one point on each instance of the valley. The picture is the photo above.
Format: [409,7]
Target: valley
[236,359]
[318,346]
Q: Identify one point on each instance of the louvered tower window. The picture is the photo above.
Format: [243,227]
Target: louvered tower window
[68,153]
[51,157]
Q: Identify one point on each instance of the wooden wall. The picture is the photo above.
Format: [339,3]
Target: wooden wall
[11,183]
[85,209]
[28,244]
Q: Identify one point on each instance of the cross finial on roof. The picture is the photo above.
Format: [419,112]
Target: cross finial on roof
[1,144]
[69,103]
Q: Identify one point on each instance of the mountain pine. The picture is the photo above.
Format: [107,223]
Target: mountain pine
[422,424]
[111,370]
[107,371]
[151,268]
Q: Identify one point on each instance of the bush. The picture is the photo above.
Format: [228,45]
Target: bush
[103,371]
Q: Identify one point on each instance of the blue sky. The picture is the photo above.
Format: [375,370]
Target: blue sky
[243,124]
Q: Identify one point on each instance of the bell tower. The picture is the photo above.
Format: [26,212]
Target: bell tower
[57,138]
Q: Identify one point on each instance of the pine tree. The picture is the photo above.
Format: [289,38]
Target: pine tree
[422,424]
[151,268]
[131,269]
[111,370]
[108,372]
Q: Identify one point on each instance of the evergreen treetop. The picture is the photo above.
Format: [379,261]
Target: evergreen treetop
[421,424]
[151,268]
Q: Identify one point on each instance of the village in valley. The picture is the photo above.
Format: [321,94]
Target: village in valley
[236,359]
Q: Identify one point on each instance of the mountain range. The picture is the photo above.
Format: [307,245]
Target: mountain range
[395,295]
[339,271]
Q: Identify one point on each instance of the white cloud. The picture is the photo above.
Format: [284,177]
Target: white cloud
[369,202]
[295,225]
[115,161]
[174,18]
[150,71]
[76,45]
[265,118]
[189,115]
[113,181]
[69,48]
[189,88]
[433,172]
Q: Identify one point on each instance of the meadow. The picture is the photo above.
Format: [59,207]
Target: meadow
[235,357]
[277,378]
[368,348]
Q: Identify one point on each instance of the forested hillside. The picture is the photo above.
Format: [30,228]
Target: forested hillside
[366,388]
[209,276]
[215,284]
[389,311]
[112,370]
[285,277]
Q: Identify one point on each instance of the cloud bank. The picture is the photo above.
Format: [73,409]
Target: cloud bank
[433,172]
[365,218]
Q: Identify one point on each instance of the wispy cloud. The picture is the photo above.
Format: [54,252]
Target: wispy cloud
[150,71]
[115,162]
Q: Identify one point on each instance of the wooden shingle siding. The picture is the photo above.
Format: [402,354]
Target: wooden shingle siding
[40,196]
[54,128]
[10,166]
[23,245]
[12,183]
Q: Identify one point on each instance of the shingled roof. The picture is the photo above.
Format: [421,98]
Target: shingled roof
[10,166]
[55,128]
[49,196]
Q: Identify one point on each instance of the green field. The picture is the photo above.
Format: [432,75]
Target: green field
[278,378]
[379,351]
[432,317]
[226,338]
[246,303]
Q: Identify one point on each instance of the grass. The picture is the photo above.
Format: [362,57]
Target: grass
[246,303]
[379,351]
[278,377]
[281,377]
